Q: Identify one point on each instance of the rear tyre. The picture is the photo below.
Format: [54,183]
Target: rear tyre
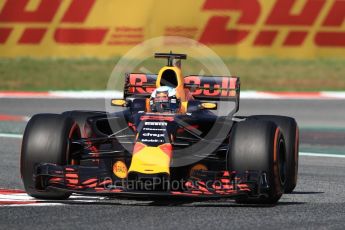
[290,131]
[259,145]
[46,140]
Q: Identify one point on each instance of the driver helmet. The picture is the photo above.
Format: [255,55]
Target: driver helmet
[163,99]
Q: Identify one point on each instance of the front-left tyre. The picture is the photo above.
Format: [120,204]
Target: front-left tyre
[46,139]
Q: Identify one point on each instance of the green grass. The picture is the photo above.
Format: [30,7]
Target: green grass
[290,75]
[93,74]
[54,74]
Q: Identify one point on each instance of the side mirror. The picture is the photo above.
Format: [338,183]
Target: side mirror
[209,106]
[118,102]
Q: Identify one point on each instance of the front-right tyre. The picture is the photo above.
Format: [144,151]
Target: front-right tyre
[289,128]
[259,145]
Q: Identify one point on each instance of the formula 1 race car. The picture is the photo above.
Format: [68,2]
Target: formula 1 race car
[175,136]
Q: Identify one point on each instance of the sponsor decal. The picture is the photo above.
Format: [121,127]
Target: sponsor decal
[153,134]
[156,123]
[200,86]
[299,17]
[120,169]
[197,167]
[144,140]
[152,129]
[157,118]
[79,27]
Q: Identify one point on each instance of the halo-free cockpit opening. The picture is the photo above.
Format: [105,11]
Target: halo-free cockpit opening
[169,78]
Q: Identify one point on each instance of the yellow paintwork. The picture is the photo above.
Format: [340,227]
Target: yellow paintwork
[130,22]
[180,90]
[180,93]
[209,105]
[184,106]
[150,160]
[118,102]
[120,169]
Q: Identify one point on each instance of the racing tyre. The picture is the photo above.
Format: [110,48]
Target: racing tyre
[290,131]
[259,145]
[46,140]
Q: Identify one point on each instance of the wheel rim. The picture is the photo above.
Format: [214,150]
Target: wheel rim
[282,161]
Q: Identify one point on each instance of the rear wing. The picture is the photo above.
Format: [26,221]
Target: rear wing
[213,88]
[205,88]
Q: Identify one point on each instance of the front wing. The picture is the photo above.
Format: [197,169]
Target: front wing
[201,184]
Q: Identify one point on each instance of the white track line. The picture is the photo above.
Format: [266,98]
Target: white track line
[321,155]
[86,94]
[23,199]
[11,135]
